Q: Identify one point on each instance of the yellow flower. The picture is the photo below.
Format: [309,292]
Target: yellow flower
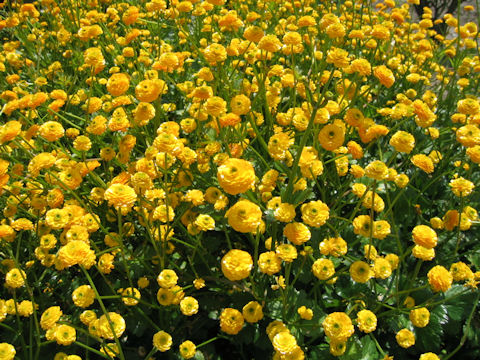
[87,317]
[362,225]
[429,356]
[114,322]
[384,75]
[337,348]
[315,213]
[270,43]
[25,308]
[331,137]
[50,317]
[424,116]
[382,268]
[425,236]
[405,338]
[403,141]
[215,106]
[401,180]
[244,216]
[105,263]
[338,57]
[7,351]
[423,253]
[284,342]
[199,283]
[393,259]
[297,233]
[420,317]
[439,278]
[360,272]
[381,229]
[366,321]
[165,296]
[187,349]
[163,213]
[240,104]
[167,278]
[231,321]
[378,203]
[236,176]
[215,53]
[461,187]
[460,271]
[97,126]
[143,113]
[76,252]
[189,306]
[274,328]
[335,30]
[119,195]
[334,246]
[253,33]
[305,313]
[130,296]
[376,170]
[252,312]
[269,263]
[204,222]
[229,119]
[361,66]
[236,265]
[118,84]
[323,269]
[65,335]
[15,278]
[286,252]
[370,252]
[51,130]
[423,162]
[278,145]
[468,106]
[184,6]
[110,349]
[149,90]
[162,341]
[39,162]
[338,326]
[470,213]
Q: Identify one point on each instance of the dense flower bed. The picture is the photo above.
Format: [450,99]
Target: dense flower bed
[238,179]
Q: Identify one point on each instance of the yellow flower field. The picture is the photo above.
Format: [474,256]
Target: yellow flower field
[220,179]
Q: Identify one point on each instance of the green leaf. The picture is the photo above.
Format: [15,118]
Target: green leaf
[320,352]
[199,355]
[459,306]
[274,309]
[353,352]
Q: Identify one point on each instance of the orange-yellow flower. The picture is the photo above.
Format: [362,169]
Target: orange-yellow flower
[439,278]
[119,195]
[384,75]
[118,84]
[236,264]
[315,213]
[331,137]
[236,176]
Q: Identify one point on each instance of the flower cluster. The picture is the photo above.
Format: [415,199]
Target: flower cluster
[267,177]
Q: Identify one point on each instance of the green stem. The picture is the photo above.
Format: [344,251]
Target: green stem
[92,350]
[105,312]
[208,342]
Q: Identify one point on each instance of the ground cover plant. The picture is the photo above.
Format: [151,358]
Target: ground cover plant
[238,179]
